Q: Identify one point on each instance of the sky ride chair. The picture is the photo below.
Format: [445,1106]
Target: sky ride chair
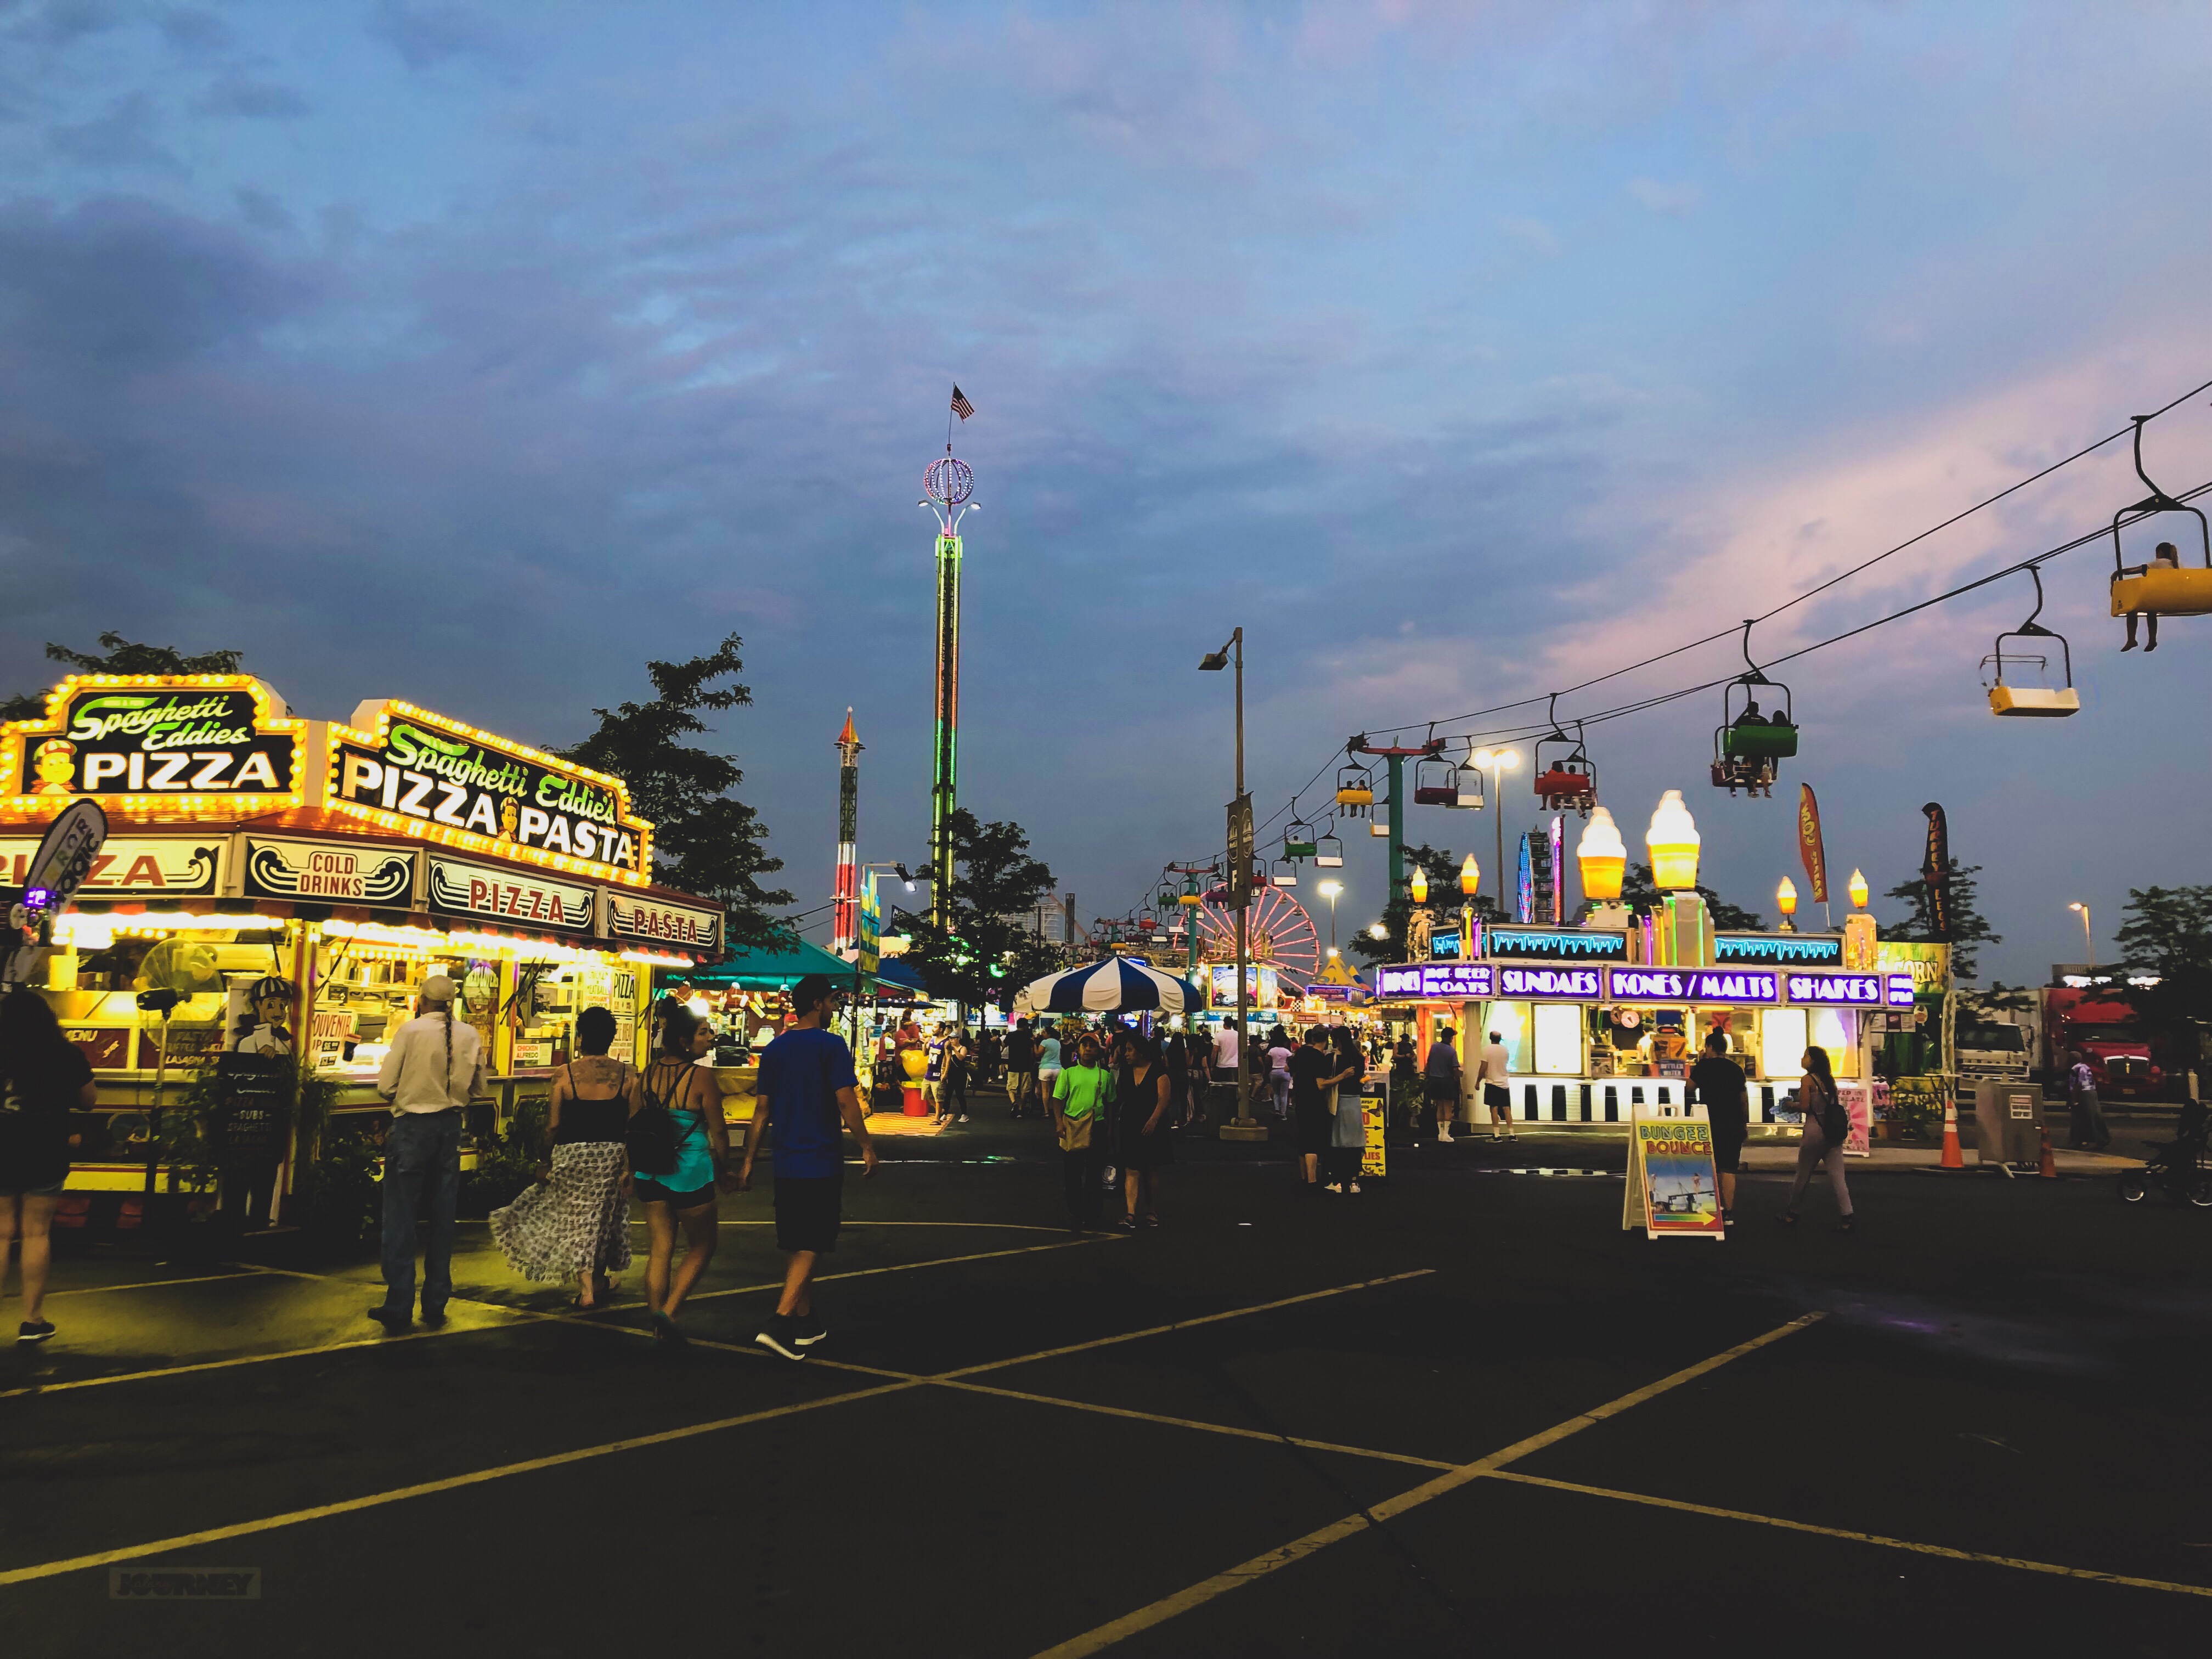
[2009,697]
[1566,782]
[1436,783]
[2164,587]
[1749,746]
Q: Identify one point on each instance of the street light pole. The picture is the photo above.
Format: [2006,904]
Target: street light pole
[2088,939]
[1243,1128]
[1329,889]
[1498,762]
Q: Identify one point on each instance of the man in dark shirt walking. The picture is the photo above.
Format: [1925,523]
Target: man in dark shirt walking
[1717,1082]
[1314,1071]
[806,1089]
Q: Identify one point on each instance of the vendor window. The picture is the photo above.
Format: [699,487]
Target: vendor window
[1559,1033]
[1511,1021]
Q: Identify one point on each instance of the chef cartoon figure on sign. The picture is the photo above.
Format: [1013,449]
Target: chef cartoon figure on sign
[507,814]
[55,761]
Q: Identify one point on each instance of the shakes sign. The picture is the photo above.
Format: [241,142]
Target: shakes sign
[470,789]
[154,738]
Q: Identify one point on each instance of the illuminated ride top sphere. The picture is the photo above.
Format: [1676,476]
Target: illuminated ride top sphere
[948,482]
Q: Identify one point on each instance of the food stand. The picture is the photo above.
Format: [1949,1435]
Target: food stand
[350,859]
[1597,1021]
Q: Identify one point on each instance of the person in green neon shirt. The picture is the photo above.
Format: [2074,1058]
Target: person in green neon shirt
[1080,1096]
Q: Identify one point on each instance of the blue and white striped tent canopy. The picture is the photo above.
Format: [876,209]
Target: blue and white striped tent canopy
[1116,985]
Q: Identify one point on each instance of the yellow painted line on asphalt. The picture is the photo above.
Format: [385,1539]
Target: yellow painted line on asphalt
[146,1284]
[1180,1325]
[1246,1572]
[897,1268]
[1945,1551]
[1194,1423]
[399,1495]
[379,1341]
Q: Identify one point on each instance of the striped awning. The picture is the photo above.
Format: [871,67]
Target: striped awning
[1116,985]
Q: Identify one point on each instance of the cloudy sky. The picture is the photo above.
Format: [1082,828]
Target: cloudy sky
[475,353]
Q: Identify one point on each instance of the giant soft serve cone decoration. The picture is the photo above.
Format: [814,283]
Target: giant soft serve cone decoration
[1673,841]
[1603,857]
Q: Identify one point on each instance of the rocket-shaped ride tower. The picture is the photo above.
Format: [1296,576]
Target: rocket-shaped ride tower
[845,930]
[947,484]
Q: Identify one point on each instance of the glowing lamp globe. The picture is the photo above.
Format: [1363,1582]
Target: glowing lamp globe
[1786,896]
[1858,890]
[1470,877]
[1673,841]
[1420,885]
[1603,857]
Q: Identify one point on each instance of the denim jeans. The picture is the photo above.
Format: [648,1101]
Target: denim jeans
[422,1172]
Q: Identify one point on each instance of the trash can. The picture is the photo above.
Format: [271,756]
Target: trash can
[2008,1121]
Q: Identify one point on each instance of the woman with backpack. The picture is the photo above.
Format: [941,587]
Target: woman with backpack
[574,1224]
[1826,1128]
[44,1077]
[680,1146]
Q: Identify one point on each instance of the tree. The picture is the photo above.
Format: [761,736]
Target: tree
[1440,866]
[123,656]
[1968,927]
[2167,936]
[1639,890]
[704,839]
[986,954]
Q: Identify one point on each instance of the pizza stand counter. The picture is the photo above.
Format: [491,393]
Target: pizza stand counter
[359,858]
[1594,1027]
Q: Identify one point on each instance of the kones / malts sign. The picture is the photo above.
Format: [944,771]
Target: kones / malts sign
[156,740]
[486,794]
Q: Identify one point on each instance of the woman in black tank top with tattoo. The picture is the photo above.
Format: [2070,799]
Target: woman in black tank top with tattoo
[575,1222]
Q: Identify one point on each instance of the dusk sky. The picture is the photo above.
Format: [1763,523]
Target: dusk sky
[473,353]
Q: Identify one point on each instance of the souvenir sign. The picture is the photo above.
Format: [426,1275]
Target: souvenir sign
[1673,1190]
[506,896]
[328,872]
[1672,985]
[430,775]
[151,740]
[657,921]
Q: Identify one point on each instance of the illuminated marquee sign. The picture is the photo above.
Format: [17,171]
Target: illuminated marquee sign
[1736,985]
[1450,981]
[428,775]
[149,741]
[659,922]
[523,901]
[1836,990]
[124,868]
[319,872]
[1573,984]
[1783,950]
[1555,945]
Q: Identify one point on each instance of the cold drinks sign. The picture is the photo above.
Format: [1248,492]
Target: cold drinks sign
[470,789]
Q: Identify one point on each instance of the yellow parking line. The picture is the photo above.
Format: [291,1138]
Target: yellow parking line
[897,1268]
[147,1284]
[452,1483]
[1942,1550]
[379,1341]
[1299,1549]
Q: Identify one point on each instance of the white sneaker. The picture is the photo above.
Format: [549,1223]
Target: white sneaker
[1331,1187]
[963,1118]
[1444,1136]
[1353,1188]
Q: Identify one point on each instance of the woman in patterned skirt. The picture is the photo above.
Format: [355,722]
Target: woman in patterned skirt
[575,1222]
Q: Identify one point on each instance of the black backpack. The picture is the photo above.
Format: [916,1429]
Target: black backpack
[651,1136]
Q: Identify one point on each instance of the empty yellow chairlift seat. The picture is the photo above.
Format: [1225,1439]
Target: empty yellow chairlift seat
[2164,591]
[2034,701]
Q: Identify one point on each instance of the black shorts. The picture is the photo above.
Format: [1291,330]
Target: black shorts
[649,1191]
[1727,1142]
[808,1209]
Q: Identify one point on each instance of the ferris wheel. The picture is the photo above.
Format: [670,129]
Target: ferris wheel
[1280,933]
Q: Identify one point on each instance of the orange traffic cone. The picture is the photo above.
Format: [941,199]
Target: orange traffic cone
[1953,1158]
[2049,1158]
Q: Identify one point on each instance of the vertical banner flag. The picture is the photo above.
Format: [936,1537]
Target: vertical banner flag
[1808,843]
[1559,895]
[1935,871]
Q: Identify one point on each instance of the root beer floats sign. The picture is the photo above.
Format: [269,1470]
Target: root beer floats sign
[404,768]
[195,743]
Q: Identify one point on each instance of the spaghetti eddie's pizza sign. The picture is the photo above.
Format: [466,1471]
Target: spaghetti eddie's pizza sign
[153,739]
[407,767]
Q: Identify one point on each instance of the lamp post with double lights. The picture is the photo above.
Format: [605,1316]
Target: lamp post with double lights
[2088,939]
[1242,1126]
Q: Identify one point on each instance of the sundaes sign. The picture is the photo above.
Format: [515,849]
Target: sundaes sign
[492,795]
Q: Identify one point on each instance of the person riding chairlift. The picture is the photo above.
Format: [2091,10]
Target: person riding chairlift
[2165,557]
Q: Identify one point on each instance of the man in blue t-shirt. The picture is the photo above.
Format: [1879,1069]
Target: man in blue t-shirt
[807,1090]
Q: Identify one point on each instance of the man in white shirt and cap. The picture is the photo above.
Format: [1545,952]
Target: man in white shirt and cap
[434,1068]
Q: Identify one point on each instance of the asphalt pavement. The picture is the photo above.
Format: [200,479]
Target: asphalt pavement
[1462,1412]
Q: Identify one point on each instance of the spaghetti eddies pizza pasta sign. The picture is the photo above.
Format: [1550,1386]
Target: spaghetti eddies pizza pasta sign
[153,741]
[405,768]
